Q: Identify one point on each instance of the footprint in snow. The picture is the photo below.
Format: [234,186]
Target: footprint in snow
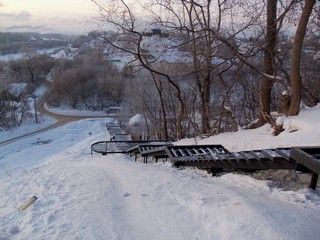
[126,194]
[14,230]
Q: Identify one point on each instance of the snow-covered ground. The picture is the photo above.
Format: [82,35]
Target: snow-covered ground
[302,130]
[15,56]
[84,196]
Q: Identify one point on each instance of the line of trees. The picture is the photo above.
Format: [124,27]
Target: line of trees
[88,81]
[244,60]
[14,42]
[18,81]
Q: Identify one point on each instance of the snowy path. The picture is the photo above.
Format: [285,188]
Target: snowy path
[115,198]
[83,196]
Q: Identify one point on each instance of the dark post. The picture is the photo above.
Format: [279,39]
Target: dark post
[314,181]
[35,106]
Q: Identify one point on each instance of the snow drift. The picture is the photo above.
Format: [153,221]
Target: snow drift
[84,196]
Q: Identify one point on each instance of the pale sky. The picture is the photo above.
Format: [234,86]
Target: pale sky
[46,16]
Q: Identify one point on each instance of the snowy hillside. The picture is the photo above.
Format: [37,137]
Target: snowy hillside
[84,196]
[302,130]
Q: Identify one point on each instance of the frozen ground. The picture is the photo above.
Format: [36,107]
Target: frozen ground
[84,196]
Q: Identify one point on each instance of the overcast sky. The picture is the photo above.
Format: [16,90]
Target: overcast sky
[53,16]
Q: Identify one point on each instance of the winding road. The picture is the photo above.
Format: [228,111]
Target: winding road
[61,120]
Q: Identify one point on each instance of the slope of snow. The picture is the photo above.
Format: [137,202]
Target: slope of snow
[84,196]
[302,130]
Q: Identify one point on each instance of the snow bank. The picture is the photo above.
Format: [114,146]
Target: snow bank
[112,197]
[137,120]
[302,130]
[84,196]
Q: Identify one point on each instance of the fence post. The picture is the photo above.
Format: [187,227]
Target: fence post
[314,181]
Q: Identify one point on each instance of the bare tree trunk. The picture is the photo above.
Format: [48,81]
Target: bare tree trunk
[163,113]
[181,113]
[295,77]
[269,57]
[202,71]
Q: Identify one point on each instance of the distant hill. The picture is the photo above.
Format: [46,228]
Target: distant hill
[13,42]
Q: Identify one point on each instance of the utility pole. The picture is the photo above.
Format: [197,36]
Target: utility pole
[35,106]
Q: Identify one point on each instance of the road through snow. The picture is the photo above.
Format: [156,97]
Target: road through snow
[60,120]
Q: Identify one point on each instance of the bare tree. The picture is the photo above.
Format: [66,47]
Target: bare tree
[295,76]
[89,81]
[270,44]
[213,39]
[122,17]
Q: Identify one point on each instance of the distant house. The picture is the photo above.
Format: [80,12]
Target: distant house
[155,30]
